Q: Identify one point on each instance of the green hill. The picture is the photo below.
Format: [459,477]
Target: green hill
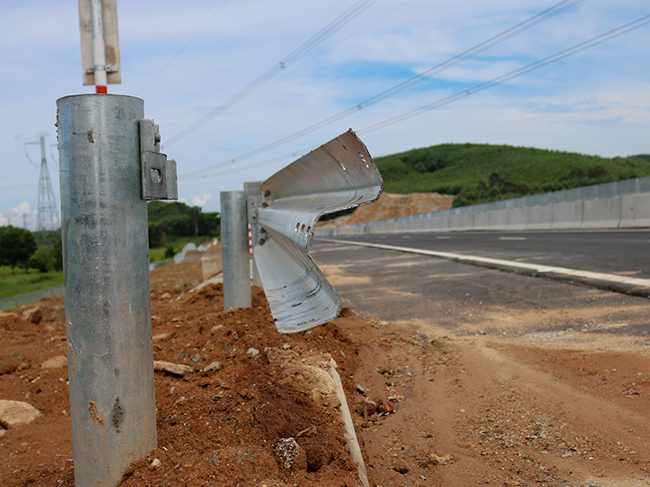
[168,222]
[479,173]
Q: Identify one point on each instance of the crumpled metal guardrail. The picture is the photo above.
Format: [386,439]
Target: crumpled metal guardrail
[337,176]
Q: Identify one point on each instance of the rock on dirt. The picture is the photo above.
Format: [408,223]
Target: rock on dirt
[400,466]
[438,461]
[16,413]
[33,315]
[212,366]
[172,368]
[287,450]
[55,362]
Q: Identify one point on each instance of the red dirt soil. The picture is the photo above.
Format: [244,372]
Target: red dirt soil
[393,206]
[479,411]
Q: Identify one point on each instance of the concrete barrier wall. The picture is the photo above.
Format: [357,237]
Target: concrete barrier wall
[567,215]
[635,211]
[602,213]
[517,219]
[540,217]
[625,204]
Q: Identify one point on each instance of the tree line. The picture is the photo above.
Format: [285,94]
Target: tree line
[171,221]
[20,248]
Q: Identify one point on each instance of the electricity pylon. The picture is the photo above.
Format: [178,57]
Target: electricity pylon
[47,216]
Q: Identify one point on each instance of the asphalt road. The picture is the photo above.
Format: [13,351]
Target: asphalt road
[459,297]
[615,252]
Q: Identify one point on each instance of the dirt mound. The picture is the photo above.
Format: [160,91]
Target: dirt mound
[429,410]
[394,206]
[219,423]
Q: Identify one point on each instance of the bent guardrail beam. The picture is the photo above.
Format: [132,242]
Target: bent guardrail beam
[337,176]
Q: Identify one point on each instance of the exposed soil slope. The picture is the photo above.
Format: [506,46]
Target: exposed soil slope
[394,206]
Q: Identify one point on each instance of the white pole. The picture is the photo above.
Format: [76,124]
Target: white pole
[99,51]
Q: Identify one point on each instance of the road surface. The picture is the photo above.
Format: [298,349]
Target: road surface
[467,299]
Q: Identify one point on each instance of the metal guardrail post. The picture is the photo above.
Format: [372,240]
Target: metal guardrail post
[107,155]
[254,197]
[235,252]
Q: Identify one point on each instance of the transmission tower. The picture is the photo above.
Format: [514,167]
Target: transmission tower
[47,216]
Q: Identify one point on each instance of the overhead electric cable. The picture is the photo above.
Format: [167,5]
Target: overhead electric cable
[173,58]
[291,58]
[492,41]
[582,46]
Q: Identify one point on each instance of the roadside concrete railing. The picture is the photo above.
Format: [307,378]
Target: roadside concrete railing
[13,301]
[623,204]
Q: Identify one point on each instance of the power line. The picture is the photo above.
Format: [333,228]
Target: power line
[173,58]
[327,31]
[582,46]
[491,42]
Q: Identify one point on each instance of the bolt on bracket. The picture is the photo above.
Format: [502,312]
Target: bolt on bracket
[159,181]
[108,68]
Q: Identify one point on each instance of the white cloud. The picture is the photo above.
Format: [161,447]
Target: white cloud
[22,208]
[593,102]
[201,199]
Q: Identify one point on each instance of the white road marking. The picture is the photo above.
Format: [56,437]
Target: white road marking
[330,249]
[600,276]
[443,238]
[513,238]
[407,264]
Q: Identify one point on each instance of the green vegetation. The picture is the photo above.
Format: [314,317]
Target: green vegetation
[16,247]
[173,222]
[479,173]
[49,256]
[26,282]
[42,265]
[172,225]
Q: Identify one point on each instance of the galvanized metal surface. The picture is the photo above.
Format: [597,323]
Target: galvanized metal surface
[234,250]
[159,181]
[338,175]
[106,269]
[254,200]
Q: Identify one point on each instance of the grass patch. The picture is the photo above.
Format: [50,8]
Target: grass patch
[22,282]
[158,253]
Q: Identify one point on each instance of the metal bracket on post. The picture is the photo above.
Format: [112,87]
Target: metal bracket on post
[337,176]
[107,68]
[254,201]
[159,181]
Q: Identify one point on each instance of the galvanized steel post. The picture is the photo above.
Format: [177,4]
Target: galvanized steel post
[107,294]
[235,252]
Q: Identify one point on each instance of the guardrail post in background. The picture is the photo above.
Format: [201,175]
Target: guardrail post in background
[105,149]
[235,252]
[255,198]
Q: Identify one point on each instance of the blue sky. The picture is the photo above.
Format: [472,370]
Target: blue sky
[185,58]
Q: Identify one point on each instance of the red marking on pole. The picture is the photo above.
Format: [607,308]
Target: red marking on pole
[101,89]
[250,241]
